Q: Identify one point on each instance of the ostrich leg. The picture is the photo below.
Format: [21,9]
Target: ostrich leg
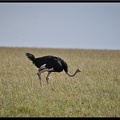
[48,77]
[39,76]
[44,70]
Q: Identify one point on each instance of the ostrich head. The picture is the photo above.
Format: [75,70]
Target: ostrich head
[78,70]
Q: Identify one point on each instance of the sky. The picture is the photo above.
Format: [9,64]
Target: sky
[60,25]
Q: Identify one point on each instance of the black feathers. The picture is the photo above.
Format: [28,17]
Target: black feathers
[56,63]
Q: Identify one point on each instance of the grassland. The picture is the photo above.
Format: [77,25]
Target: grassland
[95,92]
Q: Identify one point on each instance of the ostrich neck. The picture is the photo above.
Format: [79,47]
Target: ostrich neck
[71,75]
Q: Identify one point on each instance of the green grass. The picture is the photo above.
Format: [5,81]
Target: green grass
[94,92]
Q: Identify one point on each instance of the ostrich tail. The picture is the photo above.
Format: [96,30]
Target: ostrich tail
[30,56]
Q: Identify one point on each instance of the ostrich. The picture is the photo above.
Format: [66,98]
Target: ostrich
[50,64]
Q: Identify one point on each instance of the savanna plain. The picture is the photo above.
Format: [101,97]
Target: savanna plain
[94,92]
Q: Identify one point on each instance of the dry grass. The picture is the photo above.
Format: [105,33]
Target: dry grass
[95,92]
